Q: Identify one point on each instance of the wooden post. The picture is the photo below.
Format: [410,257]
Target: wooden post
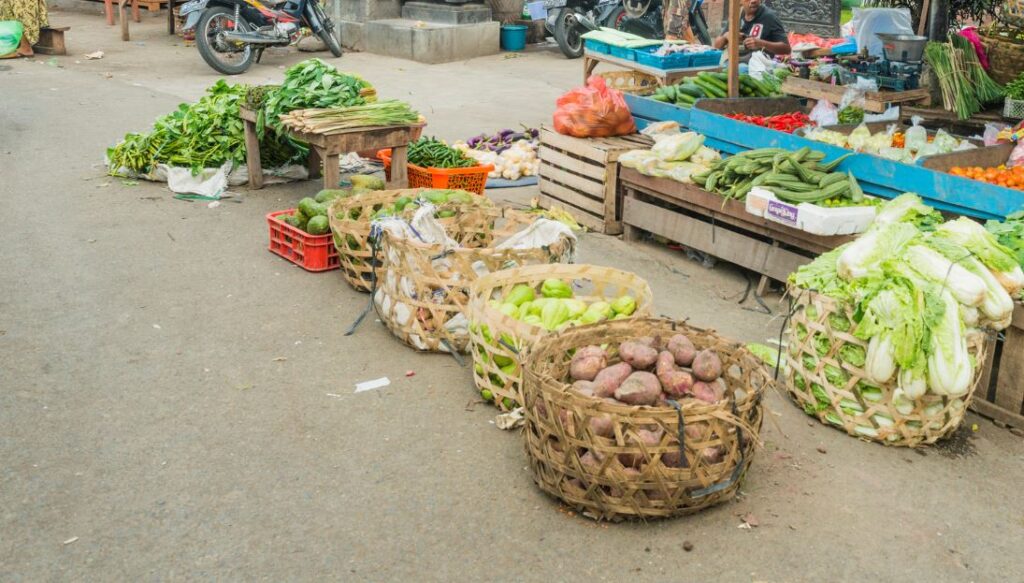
[399,167]
[734,47]
[252,155]
[938,21]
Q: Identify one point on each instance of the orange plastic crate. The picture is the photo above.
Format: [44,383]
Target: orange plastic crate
[310,252]
[472,179]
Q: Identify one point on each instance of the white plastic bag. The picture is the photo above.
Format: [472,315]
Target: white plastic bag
[991,136]
[824,114]
[759,65]
[916,137]
[868,22]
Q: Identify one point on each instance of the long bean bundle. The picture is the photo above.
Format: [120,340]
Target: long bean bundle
[334,119]
[985,88]
[948,64]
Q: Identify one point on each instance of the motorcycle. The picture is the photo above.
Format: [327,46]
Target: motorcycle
[568,20]
[645,18]
[232,34]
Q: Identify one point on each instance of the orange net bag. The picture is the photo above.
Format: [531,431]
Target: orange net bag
[594,111]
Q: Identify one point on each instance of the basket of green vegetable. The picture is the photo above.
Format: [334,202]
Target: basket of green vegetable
[423,288]
[351,217]
[641,418]
[435,164]
[887,336]
[509,310]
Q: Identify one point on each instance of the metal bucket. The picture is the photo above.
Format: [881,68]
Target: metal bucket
[904,48]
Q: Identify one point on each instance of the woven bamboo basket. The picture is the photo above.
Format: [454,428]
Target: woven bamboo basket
[703,452]
[423,290]
[498,340]
[839,394]
[350,220]
[1005,53]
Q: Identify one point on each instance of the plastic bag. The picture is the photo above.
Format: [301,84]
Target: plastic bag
[916,137]
[760,64]
[824,113]
[661,128]
[992,130]
[876,142]
[677,147]
[1016,156]
[594,111]
[10,36]
[854,95]
[859,137]
[868,22]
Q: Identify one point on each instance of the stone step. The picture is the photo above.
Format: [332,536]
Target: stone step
[471,13]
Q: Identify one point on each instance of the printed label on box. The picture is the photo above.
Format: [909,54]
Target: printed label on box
[784,213]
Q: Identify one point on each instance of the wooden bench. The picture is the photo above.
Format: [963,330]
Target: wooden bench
[51,40]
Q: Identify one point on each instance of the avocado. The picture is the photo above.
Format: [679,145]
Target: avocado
[401,203]
[308,207]
[460,196]
[367,182]
[318,225]
[329,194]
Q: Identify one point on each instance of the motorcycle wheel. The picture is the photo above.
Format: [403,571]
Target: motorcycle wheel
[616,18]
[568,34]
[216,52]
[327,30]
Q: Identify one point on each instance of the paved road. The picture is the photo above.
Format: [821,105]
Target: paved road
[166,410]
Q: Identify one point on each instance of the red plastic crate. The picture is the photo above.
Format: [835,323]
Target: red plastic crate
[310,252]
[472,179]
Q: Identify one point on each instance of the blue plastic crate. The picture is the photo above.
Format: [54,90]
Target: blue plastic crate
[597,46]
[623,53]
[670,61]
[706,59]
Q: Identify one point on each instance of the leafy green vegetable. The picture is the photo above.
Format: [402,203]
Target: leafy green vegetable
[315,84]
[1010,233]
[205,134]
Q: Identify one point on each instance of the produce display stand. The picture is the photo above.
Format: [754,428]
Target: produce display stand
[874,101]
[664,76]
[877,176]
[691,216]
[327,148]
[581,174]
[647,111]
[1000,394]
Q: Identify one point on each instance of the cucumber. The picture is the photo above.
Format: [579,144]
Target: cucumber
[714,81]
[689,89]
[710,89]
[685,97]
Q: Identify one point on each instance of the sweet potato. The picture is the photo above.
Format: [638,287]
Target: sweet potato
[587,362]
[682,349]
[649,439]
[706,392]
[654,342]
[609,379]
[713,455]
[585,388]
[639,356]
[640,388]
[602,426]
[674,382]
[707,366]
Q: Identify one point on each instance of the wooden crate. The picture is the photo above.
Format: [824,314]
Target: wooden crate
[874,101]
[1000,396]
[581,175]
[695,218]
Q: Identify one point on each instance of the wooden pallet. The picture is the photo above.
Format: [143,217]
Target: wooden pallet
[695,218]
[874,101]
[1000,395]
[581,174]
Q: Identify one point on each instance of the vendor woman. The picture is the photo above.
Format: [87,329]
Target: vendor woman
[760,30]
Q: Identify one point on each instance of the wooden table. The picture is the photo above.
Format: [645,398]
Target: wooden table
[698,219]
[664,76]
[874,101]
[327,148]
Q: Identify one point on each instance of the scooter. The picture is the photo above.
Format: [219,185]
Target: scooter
[232,34]
[568,20]
[645,18]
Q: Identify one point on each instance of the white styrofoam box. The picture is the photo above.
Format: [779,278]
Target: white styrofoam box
[811,218]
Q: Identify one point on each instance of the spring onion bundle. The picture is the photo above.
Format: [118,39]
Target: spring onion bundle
[985,89]
[949,67]
[335,119]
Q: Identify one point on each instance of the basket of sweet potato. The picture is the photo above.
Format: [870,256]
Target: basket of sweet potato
[641,418]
